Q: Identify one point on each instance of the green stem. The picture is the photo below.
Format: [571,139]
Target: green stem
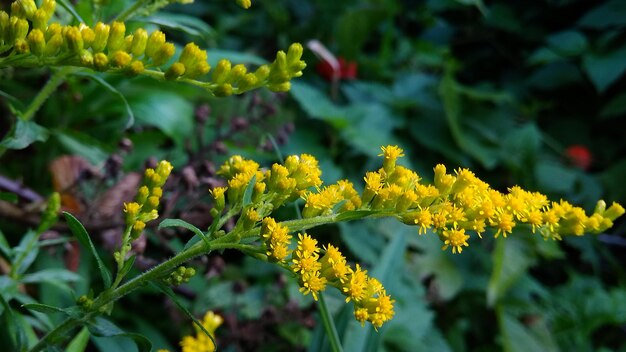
[231,240]
[109,296]
[329,324]
[130,12]
[53,83]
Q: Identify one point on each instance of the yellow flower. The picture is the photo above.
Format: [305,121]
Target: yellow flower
[455,238]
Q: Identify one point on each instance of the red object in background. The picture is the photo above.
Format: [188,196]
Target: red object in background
[579,156]
[347,69]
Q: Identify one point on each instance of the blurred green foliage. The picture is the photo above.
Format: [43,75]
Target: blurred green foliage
[505,88]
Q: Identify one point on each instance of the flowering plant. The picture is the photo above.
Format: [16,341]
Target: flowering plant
[457,208]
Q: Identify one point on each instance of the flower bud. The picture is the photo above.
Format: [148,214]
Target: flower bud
[143,194]
[36,42]
[86,58]
[5,25]
[248,82]
[137,229]
[88,36]
[53,29]
[101,62]
[19,29]
[53,45]
[101,36]
[21,46]
[120,59]
[221,71]
[155,41]
[294,54]
[17,11]
[176,70]
[28,7]
[128,43]
[280,87]
[223,90]
[262,73]
[116,37]
[614,211]
[163,54]
[40,19]
[136,67]
[236,74]
[163,170]
[140,40]
[74,40]
[48,6]
[244,3]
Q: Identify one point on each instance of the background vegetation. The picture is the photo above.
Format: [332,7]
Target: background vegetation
[522,93]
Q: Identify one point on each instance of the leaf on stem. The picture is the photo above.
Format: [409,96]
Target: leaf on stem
[83,237]
[168,291]
[105,84]
[104,328]
[186,225]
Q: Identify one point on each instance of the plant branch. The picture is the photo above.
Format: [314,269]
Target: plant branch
[53,83]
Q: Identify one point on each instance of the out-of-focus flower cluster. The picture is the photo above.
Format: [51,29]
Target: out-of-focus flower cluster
[200,342]
[28,39]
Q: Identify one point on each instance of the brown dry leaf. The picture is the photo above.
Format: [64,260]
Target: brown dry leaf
[66,172]
[109,206]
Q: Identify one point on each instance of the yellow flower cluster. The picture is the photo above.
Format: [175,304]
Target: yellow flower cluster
[144,208]
[275,186]
[105,47]
[371,302]
[454,206]
[200,342]
[461,202]
[314,273]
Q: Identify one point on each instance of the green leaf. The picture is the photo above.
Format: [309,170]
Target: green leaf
[110,88]
[44,308]
[23,134]
[12,99]
[78,230]
[70,8]
[521,145]
[317,105]
[104,328]
[215,55]
[54,275]
[615,108]
[168,291]
[17,334]
[606,68]
[511,259]
[568,43]
[608,14]
[179,22]
[165,110]
[79,342]
[553,177]
[247,193]
[8,197]
[5,248]
[519,338]
[186,225]
[26,252]
[81,144]
[128,264]
[355,214]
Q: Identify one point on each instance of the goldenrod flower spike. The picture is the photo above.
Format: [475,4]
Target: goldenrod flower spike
[108,48]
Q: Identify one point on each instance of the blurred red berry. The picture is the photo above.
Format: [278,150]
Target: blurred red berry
[579,156]
[347,69]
